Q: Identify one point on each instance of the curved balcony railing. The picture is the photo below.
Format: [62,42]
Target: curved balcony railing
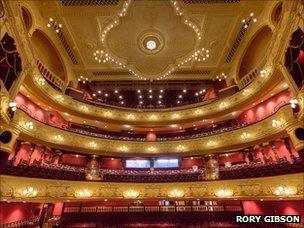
[215,143]
[237,171]
[51,77]
[199,133]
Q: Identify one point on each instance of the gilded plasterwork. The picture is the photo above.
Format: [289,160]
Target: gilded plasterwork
[63,139]
[52,190]
[158,17]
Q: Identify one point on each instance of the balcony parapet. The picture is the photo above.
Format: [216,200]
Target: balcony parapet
[51,77]
[62,139]
[253,188]
[256,89]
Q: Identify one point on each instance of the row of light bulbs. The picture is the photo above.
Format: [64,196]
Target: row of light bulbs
[281,190]
[150,96]
[103,56]
[179,12]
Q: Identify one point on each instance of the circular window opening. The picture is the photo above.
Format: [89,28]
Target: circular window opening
[299,132]
[6,137]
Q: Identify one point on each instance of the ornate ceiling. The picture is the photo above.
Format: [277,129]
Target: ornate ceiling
[180,33]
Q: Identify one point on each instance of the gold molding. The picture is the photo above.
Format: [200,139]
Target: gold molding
[37,132]
[257,89]
[52,190]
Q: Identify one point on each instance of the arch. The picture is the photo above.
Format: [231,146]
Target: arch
[255,50]
[48,54]
[276,13]
[27,18]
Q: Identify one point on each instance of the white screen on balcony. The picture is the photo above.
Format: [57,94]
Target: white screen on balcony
[166,163]
[137,164]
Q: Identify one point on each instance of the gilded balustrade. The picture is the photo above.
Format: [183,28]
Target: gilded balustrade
[36,131]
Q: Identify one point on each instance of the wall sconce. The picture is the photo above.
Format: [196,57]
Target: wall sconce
[180,148]
[176,193]
[12,105]
[223,104]
[224,192]
[153,117]
[123,148]
[41,81]
[93,144]
[263,73]
[152,149]
[60,97]
[29,192]
[245,135]
[293,103]
[283,190]
[58,138]
[85,193]
[175,116]
[29,125]
[130,194]
[210,143]
[275,123]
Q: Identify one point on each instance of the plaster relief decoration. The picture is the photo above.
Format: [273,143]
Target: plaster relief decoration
[154,49]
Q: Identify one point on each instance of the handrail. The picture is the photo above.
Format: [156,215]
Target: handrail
[50,76]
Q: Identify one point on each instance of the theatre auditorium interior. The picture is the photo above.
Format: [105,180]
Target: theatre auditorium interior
[141,113]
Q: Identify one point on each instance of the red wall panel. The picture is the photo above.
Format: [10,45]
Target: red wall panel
[114,163]
[11,212]
[265,108]
[58,209]
[71,159]
[187,163]
[282,207]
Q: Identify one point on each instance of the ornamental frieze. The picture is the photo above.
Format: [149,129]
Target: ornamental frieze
[285,186]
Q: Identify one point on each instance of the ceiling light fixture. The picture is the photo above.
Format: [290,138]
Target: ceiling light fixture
[151,45]
[54,24]
[246,22]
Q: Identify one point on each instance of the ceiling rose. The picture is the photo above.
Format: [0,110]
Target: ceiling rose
[150,41]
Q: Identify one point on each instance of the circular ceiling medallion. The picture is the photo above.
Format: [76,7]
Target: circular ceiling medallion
[150,41]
